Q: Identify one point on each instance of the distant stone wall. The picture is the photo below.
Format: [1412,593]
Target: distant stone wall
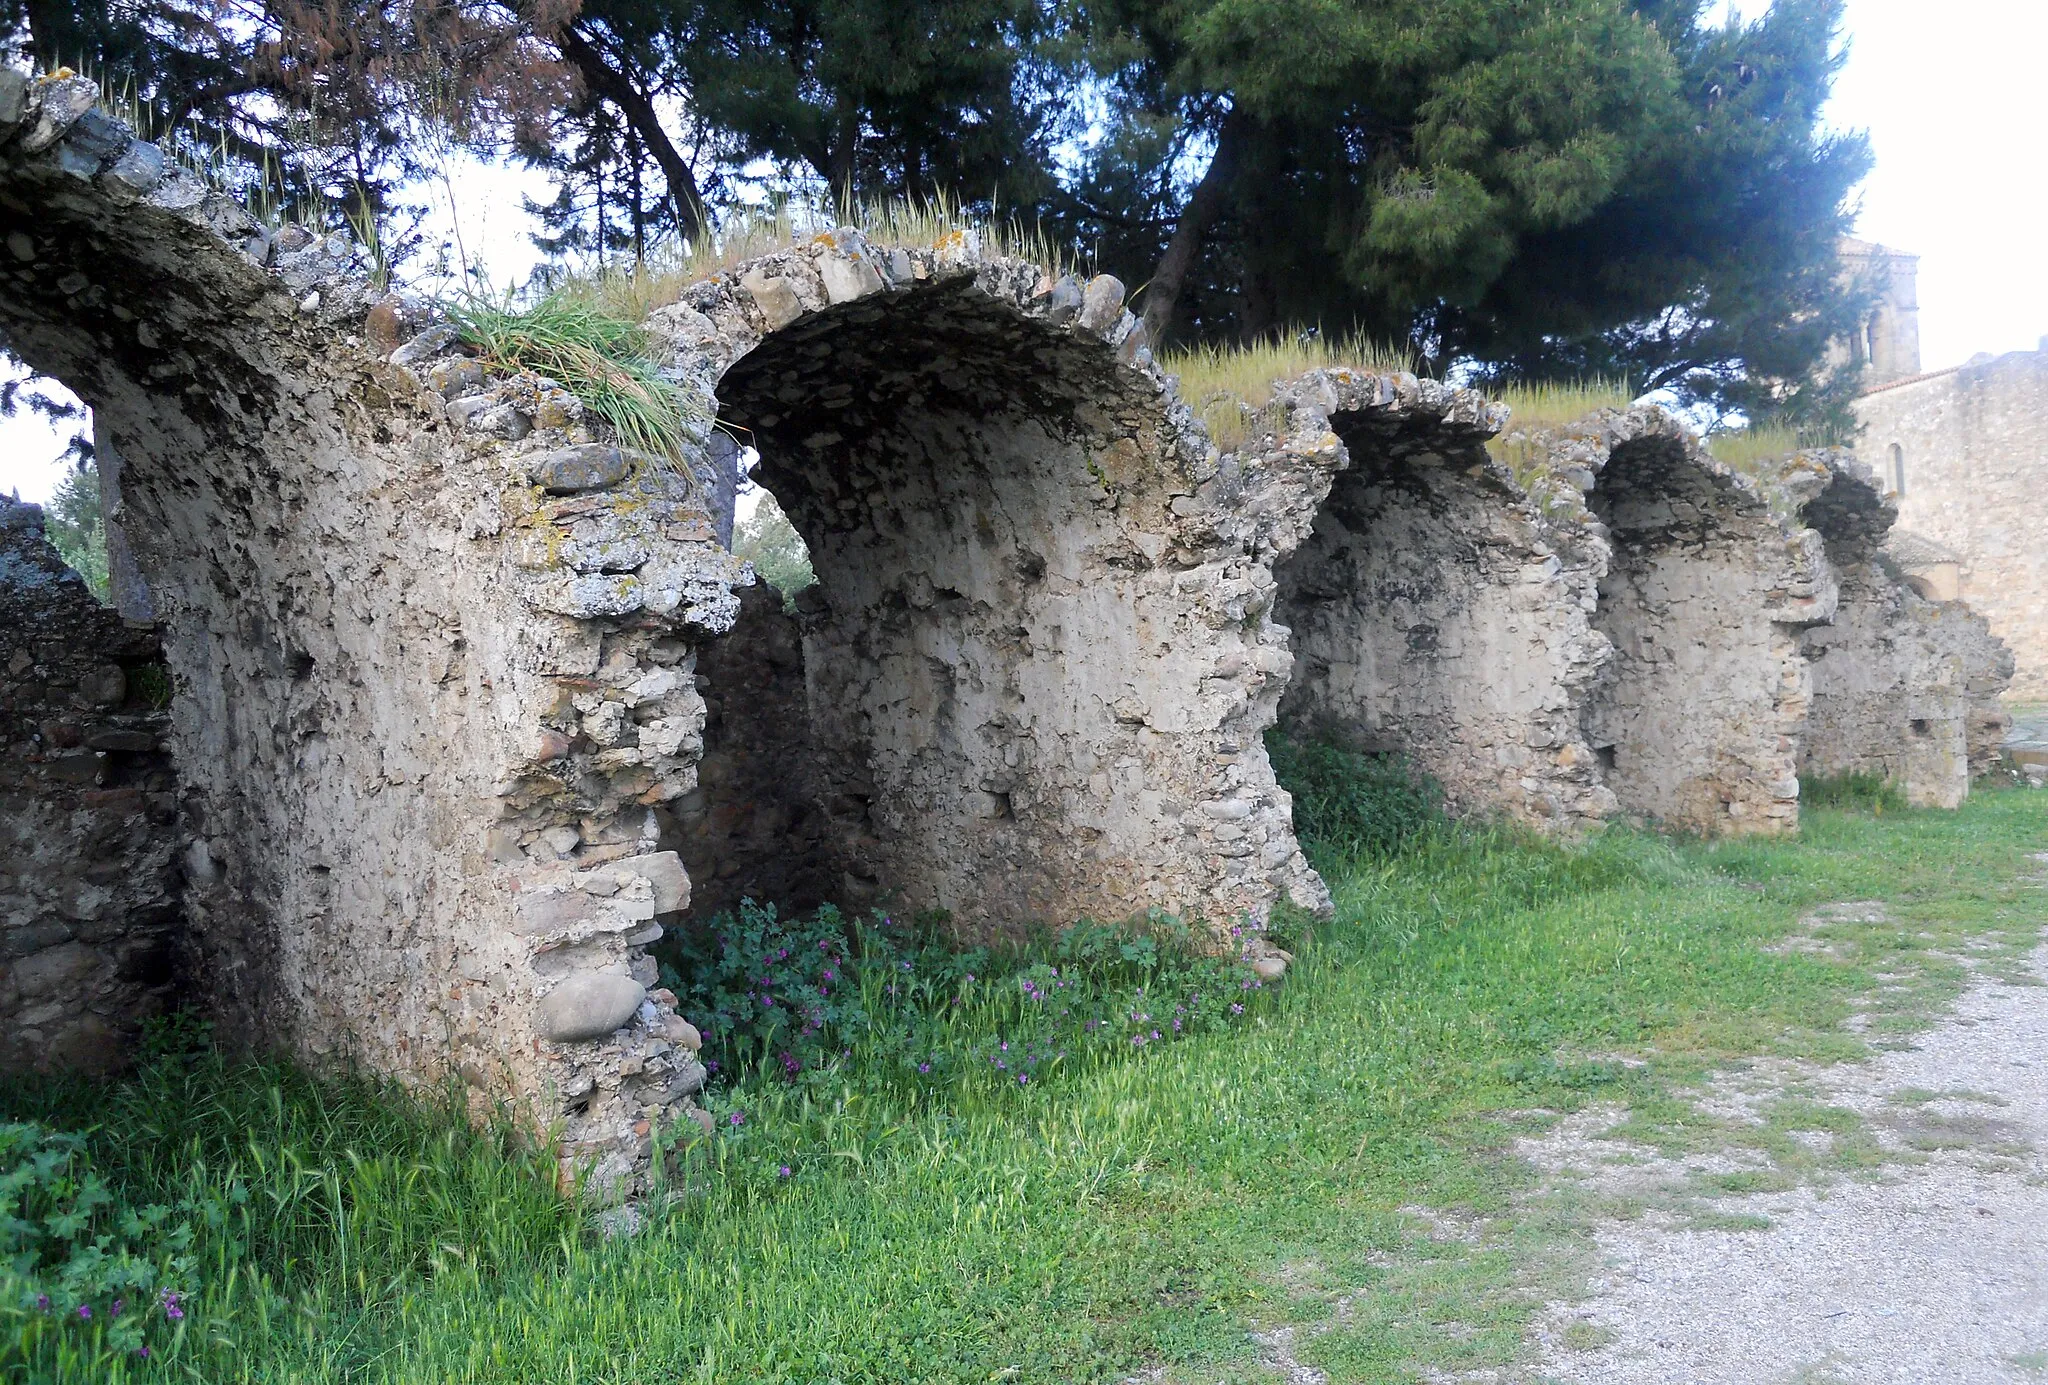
[1973,443]
[1699,715]
[755,827]
[1432,612]
[90,919]
[1884,701]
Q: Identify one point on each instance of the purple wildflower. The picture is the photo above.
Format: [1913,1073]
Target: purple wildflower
[738,1119]
[85,1310]
[42,1303]
[782,1171]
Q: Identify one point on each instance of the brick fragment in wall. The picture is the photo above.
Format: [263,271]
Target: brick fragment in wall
[1904,687]
[91,927]
[1433,612]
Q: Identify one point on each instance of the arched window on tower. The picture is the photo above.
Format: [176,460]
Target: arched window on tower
[1897,478]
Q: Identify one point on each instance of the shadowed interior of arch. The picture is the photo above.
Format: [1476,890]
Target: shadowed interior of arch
[953,467]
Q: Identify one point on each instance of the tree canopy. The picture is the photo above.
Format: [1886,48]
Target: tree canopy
[1515,189]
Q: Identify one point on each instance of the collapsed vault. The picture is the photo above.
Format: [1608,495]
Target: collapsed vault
[1434,611]
[432,679]
[1038,657]
[1905,688]
[1697,718]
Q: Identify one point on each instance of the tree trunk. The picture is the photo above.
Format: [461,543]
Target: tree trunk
[615,87]
[1205,205]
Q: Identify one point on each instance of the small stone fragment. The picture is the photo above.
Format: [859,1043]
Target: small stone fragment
[775,297]
[1102,304]
[592,466]
[589,1007]
[427,344]
[20,246]
[457,375]
[502,421]
[135,174]
[63,102]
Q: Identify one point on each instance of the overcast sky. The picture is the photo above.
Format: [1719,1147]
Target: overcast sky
[1952,96]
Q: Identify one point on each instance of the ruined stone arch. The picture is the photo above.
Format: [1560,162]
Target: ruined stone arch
[1697,718]
[1037,661]
[1434,609]
[435,637]
[1905,687]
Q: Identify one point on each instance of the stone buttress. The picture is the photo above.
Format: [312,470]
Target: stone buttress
[1434,610]
[1905,687]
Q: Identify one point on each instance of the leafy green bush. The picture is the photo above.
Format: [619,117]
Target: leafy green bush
[771,543]
[1352,802]
[1868,793]
[90,1287]
[819,994]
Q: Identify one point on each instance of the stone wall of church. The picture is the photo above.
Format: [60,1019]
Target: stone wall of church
[1974,448]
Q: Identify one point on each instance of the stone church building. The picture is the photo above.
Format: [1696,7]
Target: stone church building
[1965,451]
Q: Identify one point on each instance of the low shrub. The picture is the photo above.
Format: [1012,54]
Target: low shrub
[1352,802]
[822,994]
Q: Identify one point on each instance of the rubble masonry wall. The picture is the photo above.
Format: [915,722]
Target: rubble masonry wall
[1434,614]
[90,918]
[1699,715]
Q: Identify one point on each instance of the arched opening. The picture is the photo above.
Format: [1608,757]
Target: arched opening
[1897,475]
[1433,615]
[1034,668]
[1699,714]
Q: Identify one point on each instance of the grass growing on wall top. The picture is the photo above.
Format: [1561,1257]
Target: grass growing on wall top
[598,356]
[633,290]
[1099,1221]
[1230,386]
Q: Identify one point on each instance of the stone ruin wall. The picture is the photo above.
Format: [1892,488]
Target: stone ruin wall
[447,658]
[432,675]
[1905,688]
[1974,442]
[90,916]
[1039,653]
[435,639]
[1433,611]
[1697,718]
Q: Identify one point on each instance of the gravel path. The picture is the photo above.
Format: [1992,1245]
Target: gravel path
[1936,1271]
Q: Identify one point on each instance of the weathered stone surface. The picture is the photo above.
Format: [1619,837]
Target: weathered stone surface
[590,466]
[589,1007]
[1434,611]
[1697,717]
[1904,687]
[381,720]
[59,104]
[1013,652]
[88,819]
[1966,451]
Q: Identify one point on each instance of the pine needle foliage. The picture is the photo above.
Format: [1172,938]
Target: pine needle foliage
[601,358]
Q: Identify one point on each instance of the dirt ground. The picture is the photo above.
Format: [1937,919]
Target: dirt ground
[1914,1249]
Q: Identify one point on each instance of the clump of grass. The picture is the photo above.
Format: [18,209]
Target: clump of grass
[1854,792]
[1351,803]
[1230,386]
[1758,451]
[598,356]
[1534,410]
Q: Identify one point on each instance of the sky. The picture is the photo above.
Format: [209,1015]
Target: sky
[1951,96]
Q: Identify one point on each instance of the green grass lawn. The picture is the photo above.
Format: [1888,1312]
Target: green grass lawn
[1127,1213]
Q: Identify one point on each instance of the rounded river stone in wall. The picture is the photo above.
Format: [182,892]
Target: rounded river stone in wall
[589,1007]
[593,466]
